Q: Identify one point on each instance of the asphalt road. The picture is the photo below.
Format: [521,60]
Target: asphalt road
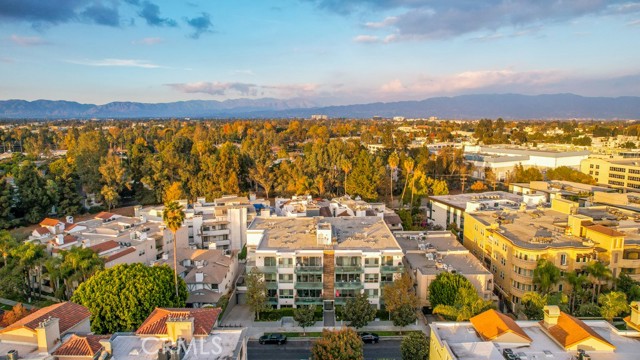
[297,350]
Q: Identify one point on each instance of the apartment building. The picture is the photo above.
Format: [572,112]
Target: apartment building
[427,255]
[493,336]
[323,261]
[444,210]
[616,173]
[552,189]
[510,242]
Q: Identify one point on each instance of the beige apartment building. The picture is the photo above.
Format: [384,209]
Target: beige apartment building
[616,173]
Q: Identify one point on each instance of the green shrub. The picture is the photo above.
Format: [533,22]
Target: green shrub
[242,255]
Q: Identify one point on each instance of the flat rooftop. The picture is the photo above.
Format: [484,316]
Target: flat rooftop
[536,229]
[460,201]
[466,344]
[348,233]
[465,264]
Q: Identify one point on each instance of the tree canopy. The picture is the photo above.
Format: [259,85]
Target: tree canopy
[343,344]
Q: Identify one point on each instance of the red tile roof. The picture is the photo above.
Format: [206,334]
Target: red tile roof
[42,231]
[69,314]
[66,240]
[605,230]
[81,346]
[492,324]
[50,222]
[570,331]
[203,319]
[120,254]
[105,246]
[104,215]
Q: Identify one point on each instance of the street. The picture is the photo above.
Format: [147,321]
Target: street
[297,350]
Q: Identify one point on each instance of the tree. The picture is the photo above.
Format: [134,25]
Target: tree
[545,275]
[577,282]
[533,305]
[444,289]
[569,174]
[6,203]
[16,313]
[401,301]
[87,157]
[415,346]
[613,304]
[393,161]
[120,298]
[491,177]
[599,273]
[467,305]
[478,186]
[344,344]
[29,256]
[34,201]
[74,267]
[628,286]
[304,316]
[256,292]
[114,177]
[262,174]
[346,167]
[174,192]
[173,217]
[359,311]
[408,165]
[7,243]
[588,310]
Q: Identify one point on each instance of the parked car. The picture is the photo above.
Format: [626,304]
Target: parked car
[273,339]
[367,337]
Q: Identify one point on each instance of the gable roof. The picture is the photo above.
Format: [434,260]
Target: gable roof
[42,231]
[50,222]
[492,324]
[104,215]
[66,240]
[81,346]
[69,314]
[203,320]
[570,331]
[104,246]
[120,254]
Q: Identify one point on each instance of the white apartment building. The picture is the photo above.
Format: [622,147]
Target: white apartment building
[323,261]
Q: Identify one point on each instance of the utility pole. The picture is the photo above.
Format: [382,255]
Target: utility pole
[463,179]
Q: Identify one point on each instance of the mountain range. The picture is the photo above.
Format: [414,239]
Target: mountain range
[508,106]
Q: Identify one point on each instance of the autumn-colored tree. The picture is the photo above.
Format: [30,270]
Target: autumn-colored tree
[16,313]
[401,301]
[394,161]
[174,192]
[478,186]
[343,344]
[115,179]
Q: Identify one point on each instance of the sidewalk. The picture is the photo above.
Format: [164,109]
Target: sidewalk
[13,303]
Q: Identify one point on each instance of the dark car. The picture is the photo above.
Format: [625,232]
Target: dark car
[273,339]
[369,337]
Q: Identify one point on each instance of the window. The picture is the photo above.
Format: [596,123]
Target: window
[617,169]
[371,292]
[286,278]
[270,261]
[371,278]
[563,259]
[371,262]
[285,262]
[286,293]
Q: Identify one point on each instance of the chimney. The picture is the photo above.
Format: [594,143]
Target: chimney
[48,334]
[551,315]
[70,219]
[199,276]
[635,313]
[60,239]
[106,344]
[323,234]
[180,326]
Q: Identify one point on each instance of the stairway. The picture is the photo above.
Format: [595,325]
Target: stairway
[328,275]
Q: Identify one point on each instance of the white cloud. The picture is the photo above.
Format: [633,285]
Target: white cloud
[366,39]
[382,24]
[117,63]
[245,89]
[148,41]
[28,40]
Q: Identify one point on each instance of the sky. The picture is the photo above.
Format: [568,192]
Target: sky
[325,52]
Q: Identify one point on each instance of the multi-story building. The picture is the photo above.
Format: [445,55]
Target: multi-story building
[501,159]
[323,260]
[616,173]
[427,255]
[493,336]
[559,189]
[444,210]
[510,242]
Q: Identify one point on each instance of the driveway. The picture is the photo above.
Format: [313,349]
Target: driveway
[240,315]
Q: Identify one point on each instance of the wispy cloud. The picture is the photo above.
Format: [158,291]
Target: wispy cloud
[382,24]
[117,63]
[246,89]
[200,24]
[634,23]
[248,72]
[28,40]
[374,39]
[148,41]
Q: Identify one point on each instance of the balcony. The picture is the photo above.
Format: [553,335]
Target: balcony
[308,285]
[306,269]
[385,283]
[268,269]
[342,300]
[630,263]
[346,285]
[272,285]
[522,278]
[272,301]
[517,292]
[525,264]
[391,269]
[349,269]
[308,301]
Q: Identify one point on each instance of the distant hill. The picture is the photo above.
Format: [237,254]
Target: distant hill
[509,106]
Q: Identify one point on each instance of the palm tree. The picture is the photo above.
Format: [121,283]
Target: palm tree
[468,304]
[545,275]
[408,165]
[599,272]
[394,161]
[173,217]
[613,304]
[577,282]
[7,243]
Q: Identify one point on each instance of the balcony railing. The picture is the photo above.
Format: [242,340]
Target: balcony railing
[391,269]
[272,284]
[385,283]
[342,300]
[272,301]
[308,301]
[268,269]
[308,285]
[307,269]
[348,285]
[349,269]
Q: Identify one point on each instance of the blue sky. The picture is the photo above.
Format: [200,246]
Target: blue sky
[323,51]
